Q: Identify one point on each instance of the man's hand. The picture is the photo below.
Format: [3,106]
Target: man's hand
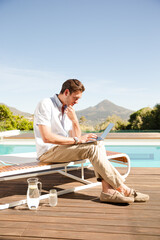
[88,137]
[71,113]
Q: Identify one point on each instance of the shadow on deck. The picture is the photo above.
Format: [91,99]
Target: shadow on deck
[80,215]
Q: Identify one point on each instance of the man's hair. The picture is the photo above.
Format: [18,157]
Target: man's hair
[73,85]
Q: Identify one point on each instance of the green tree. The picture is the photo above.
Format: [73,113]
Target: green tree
[8,121]
[6,118]
[5,113]
[145,119]
[118,123]
[155,117]
[140,120]
[82,120]
[85,127]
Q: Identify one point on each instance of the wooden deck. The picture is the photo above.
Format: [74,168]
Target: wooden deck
[81,215]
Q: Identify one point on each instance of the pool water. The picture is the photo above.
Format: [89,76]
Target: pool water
[12,149]
[141,156]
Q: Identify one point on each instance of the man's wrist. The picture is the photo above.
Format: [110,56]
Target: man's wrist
[76,140]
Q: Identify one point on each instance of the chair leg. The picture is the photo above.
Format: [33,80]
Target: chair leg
[45,196]
[82,171]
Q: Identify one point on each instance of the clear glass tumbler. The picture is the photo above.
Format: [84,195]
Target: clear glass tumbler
[53,199]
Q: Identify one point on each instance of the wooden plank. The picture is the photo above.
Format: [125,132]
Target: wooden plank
[72,226]
[24,238]
[81,215]
[82,235]
[80,221]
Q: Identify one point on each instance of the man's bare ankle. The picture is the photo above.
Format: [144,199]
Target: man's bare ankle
[124,191]
[109,191]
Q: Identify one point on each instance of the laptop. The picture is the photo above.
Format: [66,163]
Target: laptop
[104,134]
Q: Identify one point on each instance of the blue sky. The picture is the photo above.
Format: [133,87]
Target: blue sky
[112,46]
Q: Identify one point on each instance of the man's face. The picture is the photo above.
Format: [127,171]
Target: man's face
[72,98]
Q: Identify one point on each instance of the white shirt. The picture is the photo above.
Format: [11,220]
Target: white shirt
[49,112]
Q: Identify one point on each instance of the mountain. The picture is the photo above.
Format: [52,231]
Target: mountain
[102,110]
[94,115]
[18,112]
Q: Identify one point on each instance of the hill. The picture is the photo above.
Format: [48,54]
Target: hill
[18,112]
[102,110]
[95,114]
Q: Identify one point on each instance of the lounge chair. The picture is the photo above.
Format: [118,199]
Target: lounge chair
[9,133]
[36,168]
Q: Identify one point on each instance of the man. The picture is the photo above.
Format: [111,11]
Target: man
[58,139]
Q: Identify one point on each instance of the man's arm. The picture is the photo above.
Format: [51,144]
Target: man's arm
[76,131]
[49,137]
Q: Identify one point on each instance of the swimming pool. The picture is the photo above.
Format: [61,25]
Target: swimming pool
[141,156]
[11,149]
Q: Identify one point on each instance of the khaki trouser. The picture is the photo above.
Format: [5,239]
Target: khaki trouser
[95,152]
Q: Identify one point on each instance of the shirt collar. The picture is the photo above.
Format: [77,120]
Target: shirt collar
[58,102]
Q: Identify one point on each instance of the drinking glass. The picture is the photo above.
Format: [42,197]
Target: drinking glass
[53,197]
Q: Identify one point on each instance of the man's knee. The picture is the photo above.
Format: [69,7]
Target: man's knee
[93,149]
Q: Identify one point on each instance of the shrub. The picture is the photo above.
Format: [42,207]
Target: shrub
[8,121]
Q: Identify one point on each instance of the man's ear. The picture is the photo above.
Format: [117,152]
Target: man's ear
[66,92]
